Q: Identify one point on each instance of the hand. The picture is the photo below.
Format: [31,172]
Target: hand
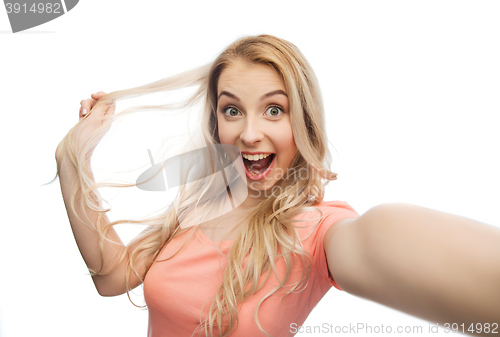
[87,104]
[91,117]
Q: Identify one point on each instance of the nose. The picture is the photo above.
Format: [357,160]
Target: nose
[251,133]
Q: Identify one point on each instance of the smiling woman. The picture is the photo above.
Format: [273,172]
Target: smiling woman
[261,267]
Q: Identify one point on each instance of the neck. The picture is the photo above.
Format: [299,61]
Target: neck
[253,199]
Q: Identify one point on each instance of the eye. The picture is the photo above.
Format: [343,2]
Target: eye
[274,111]
[231,111]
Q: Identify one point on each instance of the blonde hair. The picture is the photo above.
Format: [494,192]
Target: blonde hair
[267,233]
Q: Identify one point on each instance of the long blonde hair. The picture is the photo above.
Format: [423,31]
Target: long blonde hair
[267,233]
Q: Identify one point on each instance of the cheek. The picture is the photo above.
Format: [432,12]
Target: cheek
[225,136]
[285,135]
[285,143]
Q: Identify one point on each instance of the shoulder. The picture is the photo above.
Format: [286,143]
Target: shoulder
[317,219]
[313,221]
[313,224]
[327,212]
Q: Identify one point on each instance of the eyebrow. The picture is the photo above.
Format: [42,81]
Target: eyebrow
[269,94]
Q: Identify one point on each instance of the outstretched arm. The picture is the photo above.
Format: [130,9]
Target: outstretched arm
[433,265]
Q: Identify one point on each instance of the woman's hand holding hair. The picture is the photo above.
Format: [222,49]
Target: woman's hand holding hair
[91,116]
[87,104]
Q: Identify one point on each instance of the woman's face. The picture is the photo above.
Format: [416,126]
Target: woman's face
[253,114]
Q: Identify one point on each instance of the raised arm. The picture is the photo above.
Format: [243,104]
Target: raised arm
[87,239]
[433,265]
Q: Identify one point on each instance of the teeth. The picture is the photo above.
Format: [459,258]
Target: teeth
[255,156]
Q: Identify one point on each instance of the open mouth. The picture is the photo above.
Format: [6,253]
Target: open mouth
[257,167]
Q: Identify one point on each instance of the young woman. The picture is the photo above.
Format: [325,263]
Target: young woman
[260,266]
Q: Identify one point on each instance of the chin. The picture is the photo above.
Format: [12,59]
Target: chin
[260,189]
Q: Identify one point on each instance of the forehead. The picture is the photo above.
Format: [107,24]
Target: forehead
[242,74]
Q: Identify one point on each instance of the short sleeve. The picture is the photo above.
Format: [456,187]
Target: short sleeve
[333,211]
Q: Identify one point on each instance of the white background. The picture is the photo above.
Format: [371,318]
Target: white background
[412,99]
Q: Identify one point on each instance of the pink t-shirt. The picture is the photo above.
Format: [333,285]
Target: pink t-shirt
[176,290]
